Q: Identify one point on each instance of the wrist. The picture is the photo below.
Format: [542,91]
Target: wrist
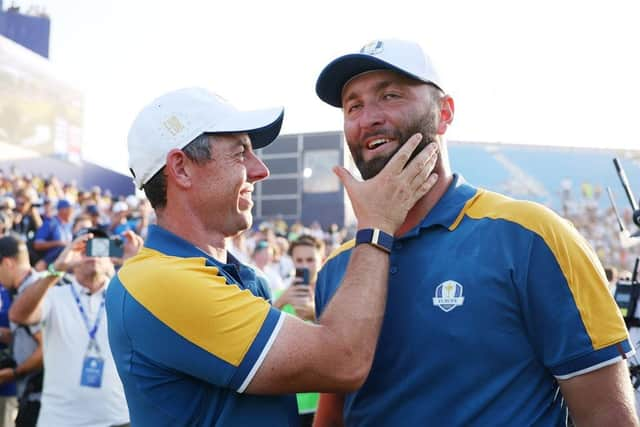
[52,271]
[375,237]
[380,225]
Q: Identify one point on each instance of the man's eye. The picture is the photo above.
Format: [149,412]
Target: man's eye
[353,107]
[391,96]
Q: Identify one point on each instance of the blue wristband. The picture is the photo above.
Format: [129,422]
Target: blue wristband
[375,237]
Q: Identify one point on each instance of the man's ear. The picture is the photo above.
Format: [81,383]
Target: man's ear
[179,168]
[447,109]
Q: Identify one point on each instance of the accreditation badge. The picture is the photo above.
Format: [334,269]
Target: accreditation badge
[92,369]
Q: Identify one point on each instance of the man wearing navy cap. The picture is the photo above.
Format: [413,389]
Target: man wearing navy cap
[497,308]
[193,336]
[52,237]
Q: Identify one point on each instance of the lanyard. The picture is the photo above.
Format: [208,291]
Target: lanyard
[92,331]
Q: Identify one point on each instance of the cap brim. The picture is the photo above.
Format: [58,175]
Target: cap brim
[339,71]
[263,126]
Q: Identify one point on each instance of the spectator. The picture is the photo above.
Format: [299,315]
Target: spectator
[54,235]
[119,223]
[283,261]
[26,220]
[81,385]
[16,274]
[8,400]
[263,260]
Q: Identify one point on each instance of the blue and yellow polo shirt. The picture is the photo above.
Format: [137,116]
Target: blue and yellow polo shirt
[188,333]
[491,301]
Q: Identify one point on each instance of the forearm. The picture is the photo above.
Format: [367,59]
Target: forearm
[330,410]
[601,397]
[27,308]
[42,245]
[31,364]
[354,315]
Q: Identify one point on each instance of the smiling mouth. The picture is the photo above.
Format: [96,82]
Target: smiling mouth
[377,143]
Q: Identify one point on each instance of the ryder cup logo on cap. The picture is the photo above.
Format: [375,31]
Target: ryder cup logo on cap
[175,119]
[448,295]
[404,57]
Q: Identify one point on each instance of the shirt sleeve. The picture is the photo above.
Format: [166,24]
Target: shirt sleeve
[42,233]
[574,324]
[189,319]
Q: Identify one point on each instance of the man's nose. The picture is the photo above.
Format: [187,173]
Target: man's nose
[256,169]
[372,115]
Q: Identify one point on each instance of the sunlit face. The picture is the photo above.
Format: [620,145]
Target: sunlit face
[224,185]
[305,256]
[382,110]
[93,272]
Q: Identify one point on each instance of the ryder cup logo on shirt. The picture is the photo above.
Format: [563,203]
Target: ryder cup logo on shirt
[448,295]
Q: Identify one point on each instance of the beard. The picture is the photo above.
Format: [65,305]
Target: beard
[424,124]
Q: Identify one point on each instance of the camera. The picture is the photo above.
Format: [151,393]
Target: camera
[112,247]
[6,359]
[626,296]
[302,276]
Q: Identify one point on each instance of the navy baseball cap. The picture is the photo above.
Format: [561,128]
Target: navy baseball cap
[404,57]
[63,203]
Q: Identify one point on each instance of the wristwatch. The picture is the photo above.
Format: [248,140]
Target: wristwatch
[375,237]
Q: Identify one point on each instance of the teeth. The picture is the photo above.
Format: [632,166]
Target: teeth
[377,143]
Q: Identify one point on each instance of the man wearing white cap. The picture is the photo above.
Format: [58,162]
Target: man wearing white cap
[192,334]
[497,308]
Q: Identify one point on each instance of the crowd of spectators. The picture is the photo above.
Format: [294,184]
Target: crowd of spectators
[47,215]
[590,211]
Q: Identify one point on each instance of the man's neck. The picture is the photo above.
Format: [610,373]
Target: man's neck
[23,273]
[92,284]
[423,206]
[193,232]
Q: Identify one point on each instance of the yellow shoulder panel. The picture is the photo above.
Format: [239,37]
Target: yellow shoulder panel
[578,262]
[192,300]
[344,247]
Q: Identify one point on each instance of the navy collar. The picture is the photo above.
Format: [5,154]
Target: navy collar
[449,207]
[162,240]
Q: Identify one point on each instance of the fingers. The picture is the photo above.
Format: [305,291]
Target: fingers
[421,166]
[80,242]
[400,159]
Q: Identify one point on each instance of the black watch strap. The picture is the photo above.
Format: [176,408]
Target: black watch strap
[375,237]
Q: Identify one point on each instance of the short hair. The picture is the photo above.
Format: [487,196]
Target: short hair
[307,240]
[198,151]
[12,245]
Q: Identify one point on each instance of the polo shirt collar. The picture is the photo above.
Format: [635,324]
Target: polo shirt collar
[164,241]
[450,206]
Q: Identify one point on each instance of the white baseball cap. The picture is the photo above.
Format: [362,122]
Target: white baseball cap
[404,57]
[177,118]
[120,207]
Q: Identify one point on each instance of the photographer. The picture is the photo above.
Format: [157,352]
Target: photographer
[81,385]
[25,368]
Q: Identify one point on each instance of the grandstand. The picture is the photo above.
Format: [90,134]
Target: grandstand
[538,173]
[41,114]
